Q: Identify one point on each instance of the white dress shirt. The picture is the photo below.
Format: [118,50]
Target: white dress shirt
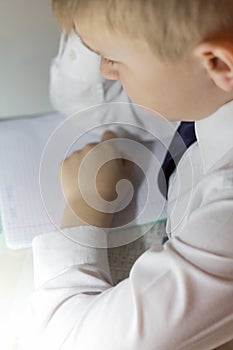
[178,298]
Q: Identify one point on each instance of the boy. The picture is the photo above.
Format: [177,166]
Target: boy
[176,58]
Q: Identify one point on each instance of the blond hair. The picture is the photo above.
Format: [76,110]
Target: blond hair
[170,27]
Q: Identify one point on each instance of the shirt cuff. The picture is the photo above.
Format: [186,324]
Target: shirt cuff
[56,252]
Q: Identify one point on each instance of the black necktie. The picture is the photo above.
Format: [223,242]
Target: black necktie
[182,140]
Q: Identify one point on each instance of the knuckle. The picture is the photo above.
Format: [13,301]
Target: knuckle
[90,146]
[65,162]
[72,157]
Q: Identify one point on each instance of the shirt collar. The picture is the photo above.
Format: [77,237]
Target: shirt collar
[215,135]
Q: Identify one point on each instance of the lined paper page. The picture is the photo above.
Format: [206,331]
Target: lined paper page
[21,145]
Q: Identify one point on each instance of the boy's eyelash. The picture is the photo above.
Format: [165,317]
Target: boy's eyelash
[108,61]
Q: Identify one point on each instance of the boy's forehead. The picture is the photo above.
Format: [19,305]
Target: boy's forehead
[110,44]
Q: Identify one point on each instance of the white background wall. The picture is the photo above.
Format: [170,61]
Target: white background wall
[29,39]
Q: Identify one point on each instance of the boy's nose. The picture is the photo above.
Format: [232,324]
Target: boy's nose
[107,72]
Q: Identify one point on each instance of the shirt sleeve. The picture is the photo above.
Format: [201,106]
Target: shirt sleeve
[76,82]
[179,297]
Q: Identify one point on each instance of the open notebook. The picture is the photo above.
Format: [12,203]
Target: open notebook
[25,212]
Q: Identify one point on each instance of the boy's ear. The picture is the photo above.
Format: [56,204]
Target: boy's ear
[217,57]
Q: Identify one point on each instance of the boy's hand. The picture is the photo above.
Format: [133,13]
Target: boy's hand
[75,189]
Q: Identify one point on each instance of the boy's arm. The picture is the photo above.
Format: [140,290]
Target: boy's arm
[178,298]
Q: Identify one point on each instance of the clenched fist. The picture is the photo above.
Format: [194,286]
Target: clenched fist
[89,179]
